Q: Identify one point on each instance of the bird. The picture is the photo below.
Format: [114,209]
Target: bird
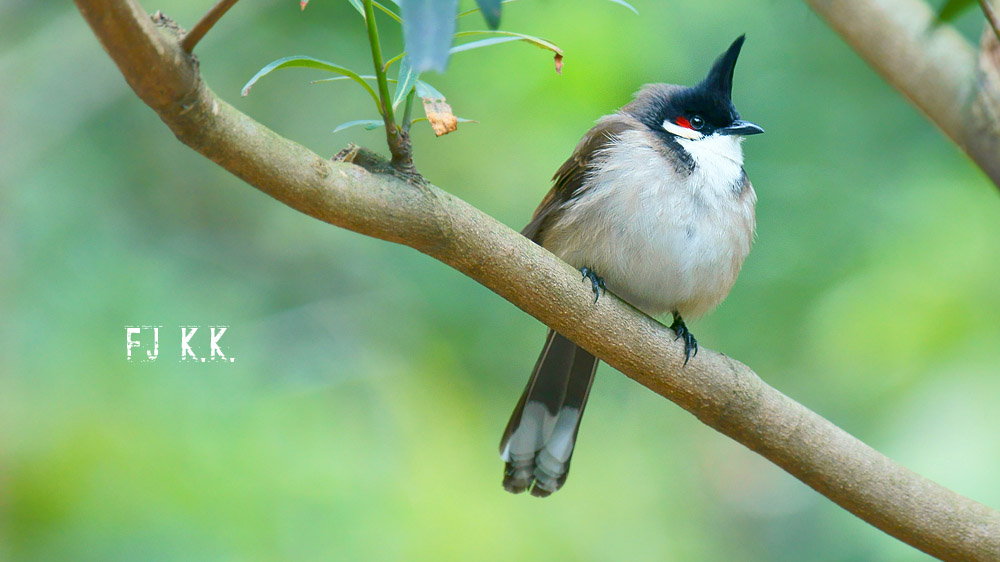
[654,205]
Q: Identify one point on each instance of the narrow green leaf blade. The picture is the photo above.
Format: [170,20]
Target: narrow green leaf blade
[309,62]
[536,41]
[368,124]
[359,7]
[952,8]
[428,27]
[483,43]
[405,81]
[491,12]
[341,78]
[506,37]
[476,9]
[426,91]
[387,11]
[626,4]
[397,58]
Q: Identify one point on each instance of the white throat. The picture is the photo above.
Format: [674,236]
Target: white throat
[723,151]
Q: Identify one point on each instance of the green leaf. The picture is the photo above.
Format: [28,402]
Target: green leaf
[482,43]
[387,11]
[368,124]
[626,4]
[309,62]
[406,79]
[337,78]
[491,12]
[388,63]
[506,36]
[428,26]
[426,91]
[359,7]
[474,10]
[952,8]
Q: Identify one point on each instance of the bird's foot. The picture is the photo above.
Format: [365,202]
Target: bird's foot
[690,344]
[596,281]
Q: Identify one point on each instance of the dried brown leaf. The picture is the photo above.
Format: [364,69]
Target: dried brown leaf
[439,114]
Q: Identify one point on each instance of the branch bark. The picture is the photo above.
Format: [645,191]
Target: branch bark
[211,17]
[991,16]
[720,391]
[931,64]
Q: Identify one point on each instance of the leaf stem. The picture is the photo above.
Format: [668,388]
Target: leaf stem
[398,141]
[383,84]
[206,22]
[388,63]
[408,110]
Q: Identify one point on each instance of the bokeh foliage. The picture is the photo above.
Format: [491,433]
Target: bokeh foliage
[371,384]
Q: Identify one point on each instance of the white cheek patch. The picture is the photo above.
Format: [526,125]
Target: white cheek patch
[676,129]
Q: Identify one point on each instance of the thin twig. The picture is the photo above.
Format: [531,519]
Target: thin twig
[204,24]
[991,16]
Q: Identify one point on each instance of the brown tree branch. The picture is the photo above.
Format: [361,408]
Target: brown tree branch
[931,64]
[991,16]
[720,391]
[206,22]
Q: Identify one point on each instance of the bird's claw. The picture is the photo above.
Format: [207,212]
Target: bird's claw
[690,344]
[596,282]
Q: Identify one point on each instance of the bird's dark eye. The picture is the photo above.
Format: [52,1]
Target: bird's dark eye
[697,122]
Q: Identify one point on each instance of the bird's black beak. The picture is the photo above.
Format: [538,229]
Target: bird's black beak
[741,127]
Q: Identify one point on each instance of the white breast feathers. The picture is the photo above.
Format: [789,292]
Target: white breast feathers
[665,235]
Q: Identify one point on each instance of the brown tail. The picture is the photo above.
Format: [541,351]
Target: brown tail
[538,442]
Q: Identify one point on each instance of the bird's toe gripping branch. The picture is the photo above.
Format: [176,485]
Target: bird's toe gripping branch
[596,281]
[690,344]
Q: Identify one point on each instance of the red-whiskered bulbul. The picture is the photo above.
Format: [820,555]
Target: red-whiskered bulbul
[655,205]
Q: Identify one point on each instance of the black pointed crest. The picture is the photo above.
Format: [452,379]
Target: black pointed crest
[720,77]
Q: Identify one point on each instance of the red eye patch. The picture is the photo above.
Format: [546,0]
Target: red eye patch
[683,122]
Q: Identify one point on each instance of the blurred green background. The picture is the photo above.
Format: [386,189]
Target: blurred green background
[371,384]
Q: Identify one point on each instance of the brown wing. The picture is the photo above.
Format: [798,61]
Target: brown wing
[571,175]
